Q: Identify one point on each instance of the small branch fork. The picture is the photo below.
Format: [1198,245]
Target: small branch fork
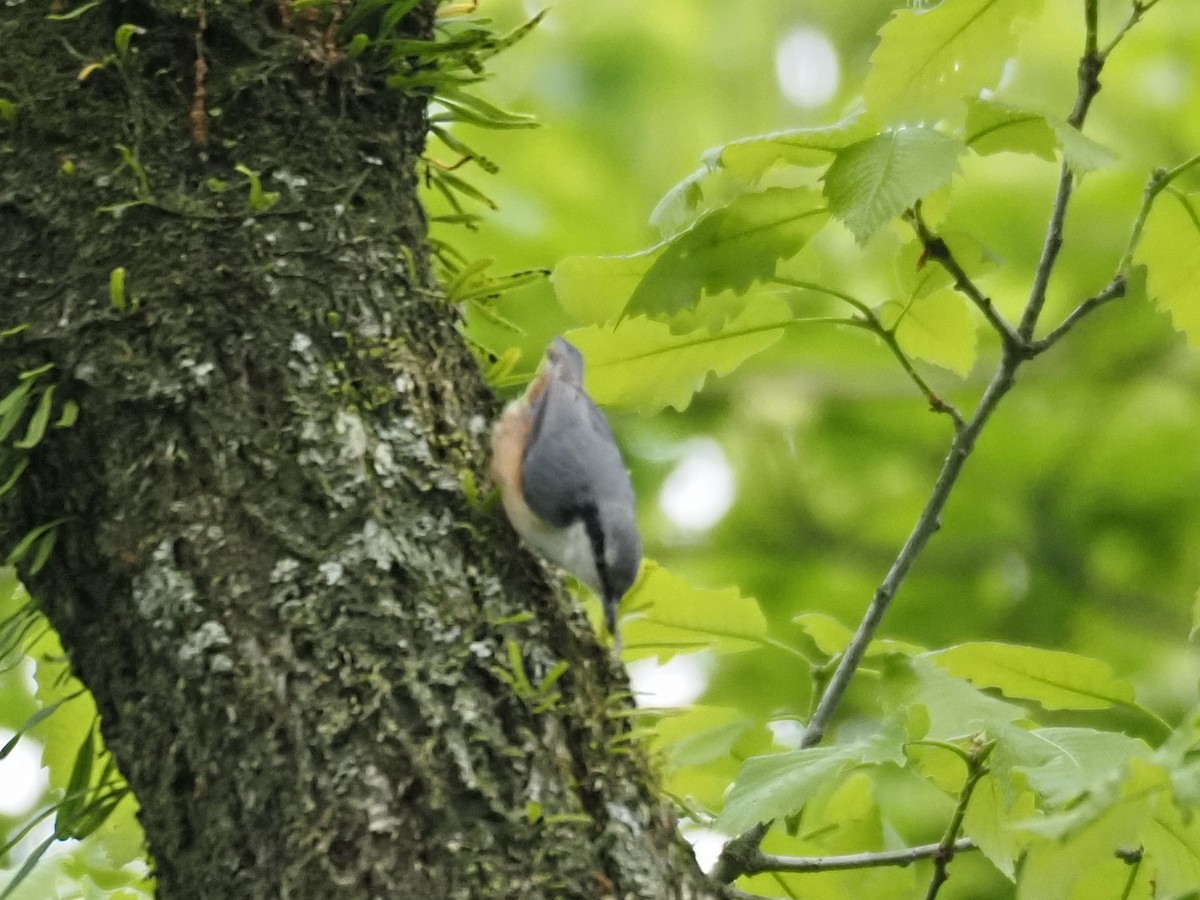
[975,756]
[868,320]
[742,855]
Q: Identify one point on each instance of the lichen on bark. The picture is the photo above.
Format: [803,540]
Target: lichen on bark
[298,631]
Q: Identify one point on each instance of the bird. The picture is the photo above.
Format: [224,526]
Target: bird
[563,481]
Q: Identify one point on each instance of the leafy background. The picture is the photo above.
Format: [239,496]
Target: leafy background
[1075,525]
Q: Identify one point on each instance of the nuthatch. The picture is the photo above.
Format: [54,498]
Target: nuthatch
[563,482]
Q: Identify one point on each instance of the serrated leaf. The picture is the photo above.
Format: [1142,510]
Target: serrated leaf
[750,157]
[770,787]
[875,180]
[956,708]
[711,732]
[1170,249]
[1080,759]
[928,60]
[728,249]
[595,289]
[1172,843]
[995,127]
[1054,678]
[1082,153]
[832,637]
[937,328]
[665,613]
[988,822]
[641,365]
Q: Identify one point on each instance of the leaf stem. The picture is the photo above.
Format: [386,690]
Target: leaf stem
[976,769]
[869,321]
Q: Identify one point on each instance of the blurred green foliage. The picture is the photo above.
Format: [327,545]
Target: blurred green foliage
[1075,524]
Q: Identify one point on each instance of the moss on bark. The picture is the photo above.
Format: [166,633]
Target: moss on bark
[299,634]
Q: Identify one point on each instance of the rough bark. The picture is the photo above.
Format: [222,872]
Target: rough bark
[299,633]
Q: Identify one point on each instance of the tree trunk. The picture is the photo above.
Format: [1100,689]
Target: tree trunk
[300,635]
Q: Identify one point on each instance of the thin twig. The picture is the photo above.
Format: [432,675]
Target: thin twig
[937,250]
[923,530]
[1136,11]
[1088,78]
[1159,180]
[1115,289]
[976,760]
[868,320]
[1133,859]
[767,862]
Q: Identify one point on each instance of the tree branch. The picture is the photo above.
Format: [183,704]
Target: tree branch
[1111,291]
[767,862]
[869,321]
[937,250]
[1088,76]
[1115,289]
[976,759]
[1016,349]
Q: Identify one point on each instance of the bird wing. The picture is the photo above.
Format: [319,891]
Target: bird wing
[571,460]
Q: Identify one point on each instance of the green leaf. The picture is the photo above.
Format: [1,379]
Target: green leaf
[36,429]
[77,785]
[73,14]
[665,613]
[770,787]
[34,720]
[937,328]
[259,200]
[124,35]
[750,157]
[728,249]
[27,866]
[831,637]
[8,484]
[116,288]
[1080,759]
[68,415]
[701,735]
[1195,615]
[8,111]
[989,822]
[874,180]
[1170,249]
[1079,860]
[12,407]
[641,365]
[1053,678]
[929,60]
[995,127]
[956,709]
[595,289]
[26,543]
[1172,843]
[1082,153]
[774,786]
